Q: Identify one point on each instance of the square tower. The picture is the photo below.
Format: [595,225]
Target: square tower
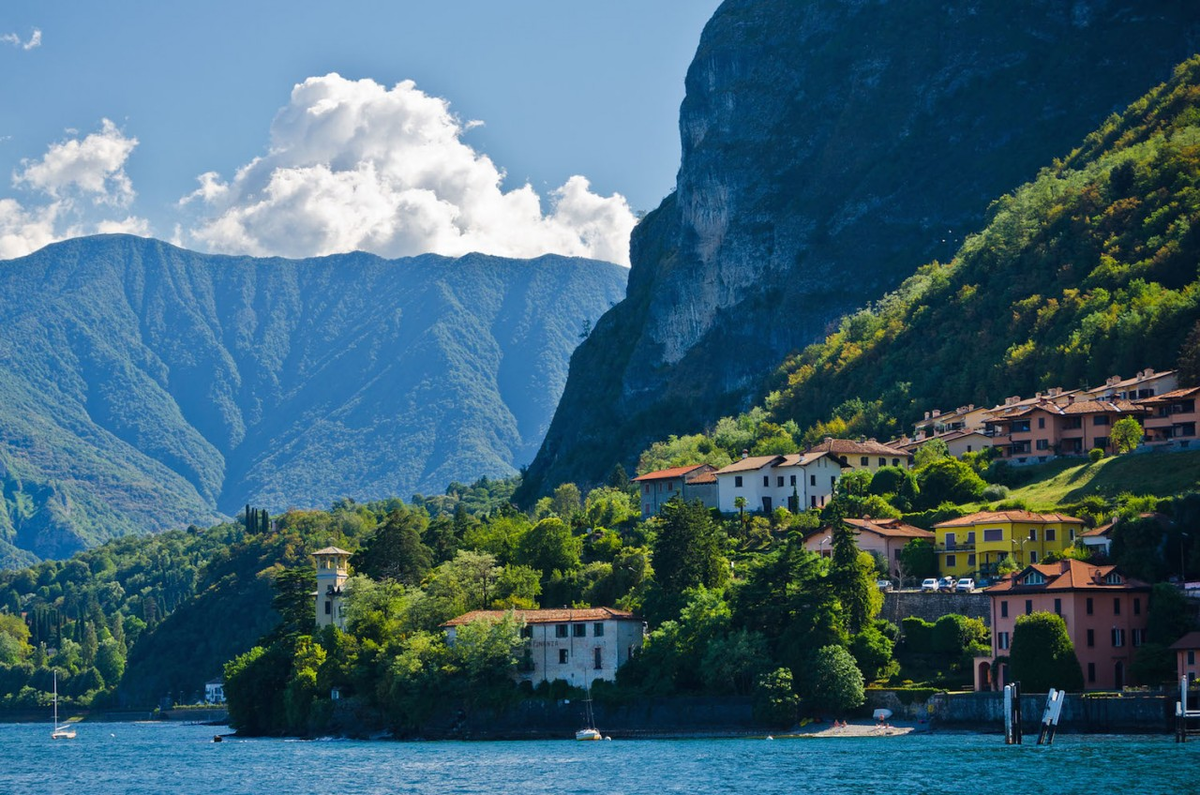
[332,570]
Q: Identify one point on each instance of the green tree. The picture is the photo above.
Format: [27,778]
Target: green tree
[872,652]
[948,480]
[834,684]
[550,546]
[1126,434]
[1168,620]
[932,451]
[293,600]
[852,580]
[918,559]
[1042,655]
[688,548]
[566,502]
[395,551]
[775,698]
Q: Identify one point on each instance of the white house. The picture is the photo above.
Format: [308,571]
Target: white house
[796,482]
[577,645]
[863,453]
[214,691]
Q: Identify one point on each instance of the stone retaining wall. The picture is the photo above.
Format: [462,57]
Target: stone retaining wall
[898,605]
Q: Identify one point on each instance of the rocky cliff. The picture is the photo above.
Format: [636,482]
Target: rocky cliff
[830,147]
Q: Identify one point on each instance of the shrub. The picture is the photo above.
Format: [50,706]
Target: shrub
[834,683]
[1095,454]
[775,699]
[918,635]
[995,492]
[1042,655]
[873,653]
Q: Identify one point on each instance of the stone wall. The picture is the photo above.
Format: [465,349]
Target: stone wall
[899,605]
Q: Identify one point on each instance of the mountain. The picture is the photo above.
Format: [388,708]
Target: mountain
[1089,270]
[144,387]
[830,148]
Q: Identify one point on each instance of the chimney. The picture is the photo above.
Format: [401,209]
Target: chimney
[927,415]
[1113,380]
[828,440]
[970,407]
[745,453]
[937,412]
[1070,399]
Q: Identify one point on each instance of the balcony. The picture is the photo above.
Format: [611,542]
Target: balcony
[957,546]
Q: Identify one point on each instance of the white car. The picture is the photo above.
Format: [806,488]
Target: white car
[883,585]
[929,585]
[965,585]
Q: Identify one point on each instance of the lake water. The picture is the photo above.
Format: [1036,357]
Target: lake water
[162,758]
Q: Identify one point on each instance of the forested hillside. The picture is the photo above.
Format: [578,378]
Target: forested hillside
[144,387]
[1087,271]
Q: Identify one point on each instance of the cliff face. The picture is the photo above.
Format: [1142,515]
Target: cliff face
[830,147]
[143,387]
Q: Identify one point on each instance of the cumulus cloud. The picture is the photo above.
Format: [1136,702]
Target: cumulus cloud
[353,165]
[76,185]
[35,40]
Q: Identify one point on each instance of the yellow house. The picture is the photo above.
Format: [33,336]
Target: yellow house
[975,544]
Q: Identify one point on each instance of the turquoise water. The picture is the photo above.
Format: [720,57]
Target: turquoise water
[161,758]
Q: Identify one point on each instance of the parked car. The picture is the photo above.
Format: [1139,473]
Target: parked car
[929,585]
[884,585]
[965,585]
[946,584]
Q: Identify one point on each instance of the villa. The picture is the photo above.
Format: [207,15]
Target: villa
[885,537]
[766,482]
[978,542]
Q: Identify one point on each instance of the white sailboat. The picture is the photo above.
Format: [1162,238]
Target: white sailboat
[589,732]
[63,732]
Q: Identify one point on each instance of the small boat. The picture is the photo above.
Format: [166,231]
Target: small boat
[63,732]
[589,732]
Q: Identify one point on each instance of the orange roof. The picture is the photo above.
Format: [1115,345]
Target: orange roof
[556,616]
[984,517]
[1068,575]
[855,447]
[750,463]
[1101,407]
[663,474]
[1096,532]
[890,528]
[699,480]
[1167,397]
[1188,641]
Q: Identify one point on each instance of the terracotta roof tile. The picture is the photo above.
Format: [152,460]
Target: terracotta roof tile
[1188,641]
[1167,397]
[663,474]
[700,480]
[554,616]
[890,528]
[1030,517]
[1068,575]
[750,463]
[855,447]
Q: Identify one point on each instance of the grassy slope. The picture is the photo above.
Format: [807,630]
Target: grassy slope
[1155,474]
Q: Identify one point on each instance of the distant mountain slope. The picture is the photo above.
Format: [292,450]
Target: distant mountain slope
[143,386]
[1089,270]
[829,148]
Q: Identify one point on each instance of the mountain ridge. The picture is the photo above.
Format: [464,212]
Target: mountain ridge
[202,382]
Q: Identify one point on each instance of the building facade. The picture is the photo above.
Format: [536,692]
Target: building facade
[886,537]
[975,544]
[1187,656]
[333,569]
[656,489]
[1105,613]
[1172,418]
[866,454]
[1042,431]
[578,646]
[766,482]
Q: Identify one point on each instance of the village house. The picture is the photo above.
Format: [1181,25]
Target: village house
[692,482]
[1145,384]
[958,443]
[214,691]
[333,569]
[1105,613]
[577,645]
[1038,432]
[1187,656]
[938,423]
[1172,418]
[885,537]
[975,544]
[862,453]
[766,482]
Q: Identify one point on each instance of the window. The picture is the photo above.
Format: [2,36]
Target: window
[896,461]
[1033,534]
[646,509]
[779,481]
[812,480]
[883,462]
[1002,640]
[1137,606]
[1118,638]
[526,631]
[1004,609]
[580,630]
[766,481]
[792,481]
[328,607]
[1041,424]
[1050,534]
[971,560]
[737,481]
[1028,606]
[1035,578]
[1091,638]
[1091,672]
[993,534]
[951,561]
[1113,578]
[647,488]
[598,658]
[951,541]
[560,630]
[1089,605]
[1116,605]
[971,538]
[598,630]
[864,461]
[1058,607]
[1137,636]
[1100,420]
[1033,556]
[563,655]
[1191,657]
[1043,444]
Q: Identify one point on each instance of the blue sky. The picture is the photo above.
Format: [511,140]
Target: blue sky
[563,89]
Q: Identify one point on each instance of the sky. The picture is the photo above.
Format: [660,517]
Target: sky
[300,128]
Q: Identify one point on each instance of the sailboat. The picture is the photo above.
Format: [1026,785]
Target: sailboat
[588,732]
[63,732]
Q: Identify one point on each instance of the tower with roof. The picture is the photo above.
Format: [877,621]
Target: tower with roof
[333,567]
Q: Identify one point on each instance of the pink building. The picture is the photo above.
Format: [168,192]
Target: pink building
[1044,430]
[1187,655]
[1105,613]
[1173,418]
[884,536]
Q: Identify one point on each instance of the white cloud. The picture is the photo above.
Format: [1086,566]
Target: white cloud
[353,165]
[78,182]
[35,40]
